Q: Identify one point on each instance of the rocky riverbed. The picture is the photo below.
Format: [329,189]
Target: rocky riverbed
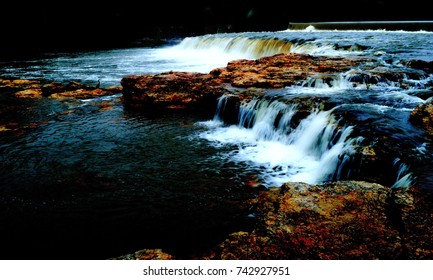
[353,219]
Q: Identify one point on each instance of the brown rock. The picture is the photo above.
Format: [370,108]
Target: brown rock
[19,83]
[29,93]
[416,224]
[279,70]
[422,116]
[81,93]
[115,89]
[73,85]
[341,220]
[171,90]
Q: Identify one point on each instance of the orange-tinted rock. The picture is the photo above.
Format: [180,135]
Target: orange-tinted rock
[82,93]
[29,93]
[342,220]
[171,90]
[244,77]
[114,89]
[279,70]
[422,116]
[416,224]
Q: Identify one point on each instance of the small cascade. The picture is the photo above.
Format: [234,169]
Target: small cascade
[269,120]
[273,144]
[221,105]
[393,88]
[334,82]
[405,179]
[227,109]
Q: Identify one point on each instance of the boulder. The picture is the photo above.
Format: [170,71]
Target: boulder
[422,116]
[340,220]
[420,64]
[171,90]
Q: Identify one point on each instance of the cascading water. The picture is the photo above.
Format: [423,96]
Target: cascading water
[252,46]
[267,139]
[405,178]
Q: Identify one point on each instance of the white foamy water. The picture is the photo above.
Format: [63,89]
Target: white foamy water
[405,178]
[181,58]
[314,151]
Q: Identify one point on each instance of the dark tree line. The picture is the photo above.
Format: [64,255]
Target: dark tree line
[39,26]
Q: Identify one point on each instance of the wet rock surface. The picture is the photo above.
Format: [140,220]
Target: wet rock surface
[171,90]
[341,220]
[422,116]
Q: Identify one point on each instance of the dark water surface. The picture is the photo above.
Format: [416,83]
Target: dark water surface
[94,183]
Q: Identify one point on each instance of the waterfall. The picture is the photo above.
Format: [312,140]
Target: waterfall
[269,120]
[404,179]
[253,46]
[280,147]
[241,46]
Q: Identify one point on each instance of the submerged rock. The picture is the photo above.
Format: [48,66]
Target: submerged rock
[21,95]
[21,88]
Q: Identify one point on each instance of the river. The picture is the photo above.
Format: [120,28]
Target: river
[91,181]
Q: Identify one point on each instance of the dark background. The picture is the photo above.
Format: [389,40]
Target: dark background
[71,25]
